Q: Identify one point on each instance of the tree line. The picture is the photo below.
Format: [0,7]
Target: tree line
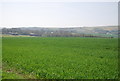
[45,33]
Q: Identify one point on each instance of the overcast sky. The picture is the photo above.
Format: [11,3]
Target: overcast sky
[58,14]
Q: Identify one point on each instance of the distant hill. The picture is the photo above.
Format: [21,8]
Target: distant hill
[100,31]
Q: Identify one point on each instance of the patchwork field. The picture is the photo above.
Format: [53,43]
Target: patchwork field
[59,58]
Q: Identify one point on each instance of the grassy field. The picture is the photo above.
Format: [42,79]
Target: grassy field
[0,58]
[59,58]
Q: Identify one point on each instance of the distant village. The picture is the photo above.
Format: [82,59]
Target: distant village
[55,32]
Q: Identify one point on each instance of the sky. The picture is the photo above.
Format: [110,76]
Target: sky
[57,14]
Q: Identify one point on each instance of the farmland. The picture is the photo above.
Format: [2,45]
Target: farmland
[59,58]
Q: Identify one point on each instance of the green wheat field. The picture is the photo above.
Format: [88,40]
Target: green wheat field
[59,58]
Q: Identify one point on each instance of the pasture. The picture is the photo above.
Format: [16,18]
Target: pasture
[59,58]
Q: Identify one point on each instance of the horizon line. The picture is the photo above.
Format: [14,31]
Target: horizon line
[56,27]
